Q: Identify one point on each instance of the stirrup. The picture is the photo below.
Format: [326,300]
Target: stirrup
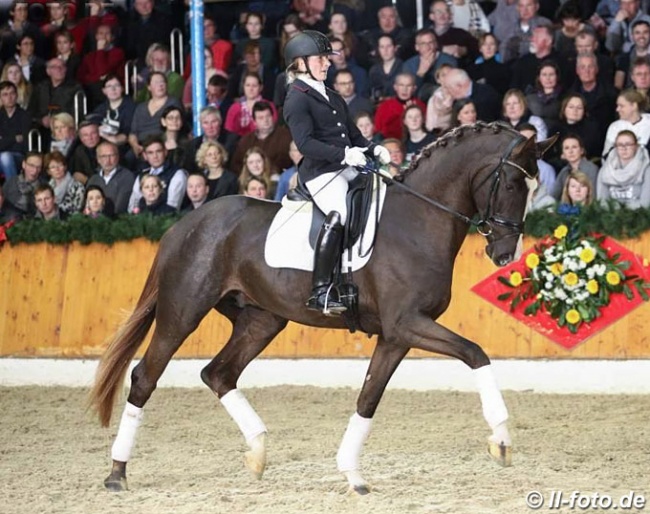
[323,303]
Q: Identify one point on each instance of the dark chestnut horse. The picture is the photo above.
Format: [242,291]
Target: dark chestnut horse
[214,259]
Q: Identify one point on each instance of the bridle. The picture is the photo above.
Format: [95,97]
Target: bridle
[484,225]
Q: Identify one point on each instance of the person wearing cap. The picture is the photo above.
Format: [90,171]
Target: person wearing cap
[332,146]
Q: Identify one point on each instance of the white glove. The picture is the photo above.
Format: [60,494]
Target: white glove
[354,156]
[382,154]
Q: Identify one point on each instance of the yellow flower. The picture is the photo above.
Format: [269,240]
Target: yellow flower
[532,261]
[587,255]
[592,286]
[571,279]
[557,268]
[613,278]
[516,279]
[572,316]
[560,232]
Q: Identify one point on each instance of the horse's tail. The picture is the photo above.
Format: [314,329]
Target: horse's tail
[119,354]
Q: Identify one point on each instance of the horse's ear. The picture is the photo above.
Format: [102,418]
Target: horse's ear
[543,146]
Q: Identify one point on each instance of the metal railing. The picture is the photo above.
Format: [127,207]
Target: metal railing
[176,45]
[131,77]
[80,107]
[34,136]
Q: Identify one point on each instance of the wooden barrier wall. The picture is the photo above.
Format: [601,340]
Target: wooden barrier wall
[65,301]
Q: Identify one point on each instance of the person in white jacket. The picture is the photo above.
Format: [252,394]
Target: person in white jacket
[630,108]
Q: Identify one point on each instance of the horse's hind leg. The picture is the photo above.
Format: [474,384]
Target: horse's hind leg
[170,333]
[253,330]
[384,361]
[420,332]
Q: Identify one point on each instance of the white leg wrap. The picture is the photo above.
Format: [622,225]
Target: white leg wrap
[125,440]
[347,458]
[494,408]
[250,424]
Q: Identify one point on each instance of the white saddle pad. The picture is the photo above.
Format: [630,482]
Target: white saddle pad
[287,242]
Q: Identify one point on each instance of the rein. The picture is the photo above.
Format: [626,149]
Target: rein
[483,225]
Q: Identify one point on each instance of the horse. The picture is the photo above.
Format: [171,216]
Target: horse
[481,174]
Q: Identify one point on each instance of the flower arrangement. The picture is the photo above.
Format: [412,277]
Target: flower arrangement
[572,278]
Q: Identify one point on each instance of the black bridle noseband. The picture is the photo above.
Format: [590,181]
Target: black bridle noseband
[484,225]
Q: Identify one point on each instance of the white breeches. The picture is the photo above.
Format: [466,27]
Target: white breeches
[329,191]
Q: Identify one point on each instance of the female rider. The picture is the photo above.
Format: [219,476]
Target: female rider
[332,147]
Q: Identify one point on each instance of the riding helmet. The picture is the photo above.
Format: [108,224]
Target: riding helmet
[308,42]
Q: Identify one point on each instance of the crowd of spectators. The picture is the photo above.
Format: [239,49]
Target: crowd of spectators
[580,68]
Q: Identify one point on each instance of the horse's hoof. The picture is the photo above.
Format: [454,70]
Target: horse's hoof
[357,484]
[255,458]
[361,490]
[115,484]
[500,453]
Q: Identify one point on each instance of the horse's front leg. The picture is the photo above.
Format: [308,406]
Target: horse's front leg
[384,361]
[423,333]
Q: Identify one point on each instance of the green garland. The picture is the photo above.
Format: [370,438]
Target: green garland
[613,220]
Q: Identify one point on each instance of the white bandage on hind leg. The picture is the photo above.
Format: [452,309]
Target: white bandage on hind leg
[250,424]
[125,440]
[347,458]
[494,408]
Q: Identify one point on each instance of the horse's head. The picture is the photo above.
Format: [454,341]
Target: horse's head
[502,197]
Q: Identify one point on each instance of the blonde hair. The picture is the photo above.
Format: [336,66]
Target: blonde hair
[245,174]
[63,117]
[582,179]
[23,88]
[203,150]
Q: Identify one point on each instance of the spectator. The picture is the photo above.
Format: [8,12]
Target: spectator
[115,114]
[397,155]
[389,24]
[366,125]
[586,42]
[115,181]
[158,60]
[600,96]
[17,26]
[196,193]
[19,190]
[573,153]
[468,15]
[257,164]
[620,29]
[340,62]
[68,193]
[503,18]
[578,191]
[61,19]
[83,162]
[625,174]
[54,95]
[463,112]
[210,71]
[546,175]
[388,118]
[345,86]
[291,27]
[255,187]
[33,66]
[146,118]
[96,205]
[485,97]
[14,130]
[63,133]
[65,50]
[174,134]
[172,178]
[211,159]
[46,207]
[571,25]
[355,50]
[452,40]
[106,60]
[240,115]
[252,64]
[515,40]
[489,68]
[416,136]
[269,136]
[515,112]
[145,27]
[428,59]
[254,25]
[438,116]
[210,120]
[284,183]
[8,213]
[220,49]
[382,74]
[640,49]
[217,94]
[575,120]
[630,106]
[544,99]
[14,73]
[640,77]
[153,199]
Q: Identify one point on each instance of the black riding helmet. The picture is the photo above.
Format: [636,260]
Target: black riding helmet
[307,43]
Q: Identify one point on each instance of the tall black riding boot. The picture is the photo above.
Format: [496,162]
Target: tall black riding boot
[328,250]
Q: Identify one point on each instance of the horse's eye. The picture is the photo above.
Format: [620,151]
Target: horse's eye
[510,188]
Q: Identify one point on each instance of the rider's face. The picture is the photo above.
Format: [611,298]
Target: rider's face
[318,65]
